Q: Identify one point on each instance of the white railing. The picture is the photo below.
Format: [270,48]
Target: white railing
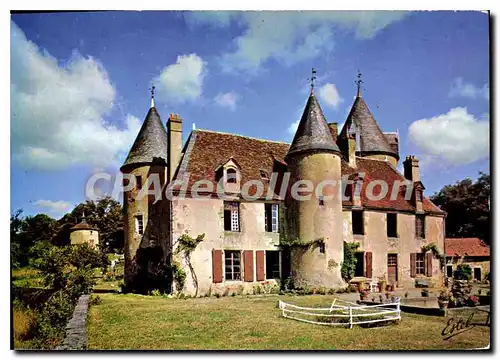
[351,314]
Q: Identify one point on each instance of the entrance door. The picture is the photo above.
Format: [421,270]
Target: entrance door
[392,268]
[449,271]
[477,274]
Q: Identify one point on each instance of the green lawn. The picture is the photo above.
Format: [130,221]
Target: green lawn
[147,322]
[27,278]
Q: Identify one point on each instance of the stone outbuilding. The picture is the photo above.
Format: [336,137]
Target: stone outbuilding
[83,233]
[471,251]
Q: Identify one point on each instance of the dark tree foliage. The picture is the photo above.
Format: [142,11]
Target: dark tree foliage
[468,208]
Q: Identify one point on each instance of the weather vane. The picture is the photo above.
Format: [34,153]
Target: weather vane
[312,78]
[153,91]
[358,83]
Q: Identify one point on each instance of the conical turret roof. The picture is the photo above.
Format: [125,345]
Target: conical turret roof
[372,139]
[313,133]
[151,142]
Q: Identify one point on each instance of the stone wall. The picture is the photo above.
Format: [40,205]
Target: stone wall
[76,329]
[90,237]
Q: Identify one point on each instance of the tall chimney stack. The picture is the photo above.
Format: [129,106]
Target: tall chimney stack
[411,170]
[174,131]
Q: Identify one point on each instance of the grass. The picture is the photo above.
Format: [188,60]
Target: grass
[27,278]
[147,322]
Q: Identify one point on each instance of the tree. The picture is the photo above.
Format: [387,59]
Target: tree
[467,204]
[349,263]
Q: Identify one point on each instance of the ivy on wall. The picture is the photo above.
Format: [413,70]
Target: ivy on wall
[432,247]
[349,264]
[186,245]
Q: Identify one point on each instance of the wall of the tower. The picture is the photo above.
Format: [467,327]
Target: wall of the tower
[90,237]
[312,221]
[149,243]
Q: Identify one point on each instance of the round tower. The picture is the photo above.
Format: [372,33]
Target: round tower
[145,218]
[314,157]
[84,233]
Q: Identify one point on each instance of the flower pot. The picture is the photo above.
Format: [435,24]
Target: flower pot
[382,286]
[443,304]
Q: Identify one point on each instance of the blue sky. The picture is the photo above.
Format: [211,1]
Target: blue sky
[79,86]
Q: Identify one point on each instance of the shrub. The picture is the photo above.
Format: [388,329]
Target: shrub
[331,291]
[233,294]
[425,293]
[83,255]
[463,272]
[472,301]
[155,292]
[179,275]
[217,295]
[226,292]
[24,321]
[349,262]
[95,300]
[241,288]
[288,284]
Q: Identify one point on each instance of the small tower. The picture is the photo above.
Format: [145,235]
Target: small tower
[314,156]
[144,219]
[84,233]
[371,142]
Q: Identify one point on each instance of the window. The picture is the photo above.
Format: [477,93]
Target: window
[271,217]
[272,264]
[231,216]
[139,225]
[420,264]
[357,187]
[233,265]
[360,264]
[321,246]
[321,201]
[418,195]
[449,271]
[231,176]
[263,175]
[420,226]
[138,182]
[392,225]
[358,226]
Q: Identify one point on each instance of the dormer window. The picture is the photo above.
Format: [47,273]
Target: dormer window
[264,175]
[231,176]
[418,194]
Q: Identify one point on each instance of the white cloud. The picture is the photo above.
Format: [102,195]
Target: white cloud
[182,81]
[290,36]
[228,100]
[330,95]
[459,88]
[54,206]
[456,137]
[57,110]
[293,127]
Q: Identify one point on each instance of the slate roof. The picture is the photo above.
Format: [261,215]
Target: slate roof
[205,150]
[313,132]
[151,144]
[466,247]
[372,139]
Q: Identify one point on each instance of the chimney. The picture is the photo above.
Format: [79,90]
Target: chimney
[411,170]
[351,145]
[334,130]
[174,131]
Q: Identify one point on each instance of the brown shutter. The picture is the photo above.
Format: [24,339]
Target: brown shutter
[248,263]
[217,266]
[259,260]
[428,258]
[413,264]
[368,264]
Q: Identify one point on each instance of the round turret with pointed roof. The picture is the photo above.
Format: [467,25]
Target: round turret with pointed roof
[151,144]
[372,140]
[313,133]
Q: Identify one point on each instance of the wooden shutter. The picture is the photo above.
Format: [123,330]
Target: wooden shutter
[428,263]
[217,266]
[413,264]
[260,261]
[248,265]
[368,264]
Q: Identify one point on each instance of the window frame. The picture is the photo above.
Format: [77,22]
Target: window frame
[231,179]
[139,224]
[420,259]
[271,216]
[234,275]
[420,234]
[362,223]
[233,207]
[270,272]
[394,232]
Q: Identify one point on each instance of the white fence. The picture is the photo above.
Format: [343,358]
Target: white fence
[342,315]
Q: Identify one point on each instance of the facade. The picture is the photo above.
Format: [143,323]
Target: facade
[471,251]
[83,233]
[250,230]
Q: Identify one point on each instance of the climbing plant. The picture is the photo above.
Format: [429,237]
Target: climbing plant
[301,244]
[349,263]
[186,245]
[432,247]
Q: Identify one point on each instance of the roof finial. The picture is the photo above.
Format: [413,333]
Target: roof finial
[83,219]
[152,96]
[312,78]
[358,83]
